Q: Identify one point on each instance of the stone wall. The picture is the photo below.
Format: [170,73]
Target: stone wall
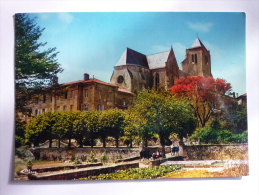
[113,154]
[76,174]
[219,152]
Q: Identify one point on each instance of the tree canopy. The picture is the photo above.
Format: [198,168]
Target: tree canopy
[35,68]
[206,94]
[161,113]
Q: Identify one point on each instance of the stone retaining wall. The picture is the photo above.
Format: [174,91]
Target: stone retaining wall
[219,152]
[76,174]
[113,154]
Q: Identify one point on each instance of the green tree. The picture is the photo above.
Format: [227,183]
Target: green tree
[111,124]
[164,114]
[19,132]
[131,128]
[58,130]
[91,120]
[40,129]
[68,125]
[79,127]
[35,69]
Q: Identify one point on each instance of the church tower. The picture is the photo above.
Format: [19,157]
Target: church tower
[197,61]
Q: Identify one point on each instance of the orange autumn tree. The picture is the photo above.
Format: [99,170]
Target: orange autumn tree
[206,94]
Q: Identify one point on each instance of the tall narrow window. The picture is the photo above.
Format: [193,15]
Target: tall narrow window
[86,93]
[194,58]
[124,102]
[110,96]
[100,107]
[100,94]
[65,96]
[71,107]
[64,108]
[72,94]
[43,110]
[36,112]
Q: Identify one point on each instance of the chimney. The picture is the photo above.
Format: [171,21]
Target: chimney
[86,76]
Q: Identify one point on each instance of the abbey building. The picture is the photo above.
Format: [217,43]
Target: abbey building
[133,72]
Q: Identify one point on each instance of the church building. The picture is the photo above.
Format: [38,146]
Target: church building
[133,72]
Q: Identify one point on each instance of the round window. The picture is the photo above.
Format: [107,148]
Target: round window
[120,79]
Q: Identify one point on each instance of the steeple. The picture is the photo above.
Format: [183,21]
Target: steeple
[197,43]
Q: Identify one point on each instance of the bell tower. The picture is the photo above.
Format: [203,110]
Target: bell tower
[197,60]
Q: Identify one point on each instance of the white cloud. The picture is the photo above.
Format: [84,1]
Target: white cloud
[43,16]
[201,27]
[65,17]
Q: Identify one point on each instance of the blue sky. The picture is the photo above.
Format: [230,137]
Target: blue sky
[92,42]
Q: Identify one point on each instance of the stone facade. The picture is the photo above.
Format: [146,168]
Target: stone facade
[135,71]
[87,94]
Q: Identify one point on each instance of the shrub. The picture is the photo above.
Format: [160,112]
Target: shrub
[29,164]
[136,173]
[20,153]
[92,158]
[83,158]
[19,141]
[104,157]
[77,161]
[208,135]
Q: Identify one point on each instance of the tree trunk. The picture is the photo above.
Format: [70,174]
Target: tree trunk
[69,143]
[92,143]
[104,144]
[50,142]
[117,142]
[59,142]
[131,143]
[81,142]
[162,142]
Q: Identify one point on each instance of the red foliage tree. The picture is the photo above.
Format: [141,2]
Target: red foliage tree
[206,94]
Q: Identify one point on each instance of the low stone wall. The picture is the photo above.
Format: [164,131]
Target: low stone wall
[159,161]
[76,174]
[219,152]
[60,168]
[113,154]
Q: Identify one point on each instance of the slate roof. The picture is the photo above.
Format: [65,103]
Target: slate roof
[157,60]
[197,43]
[131,57]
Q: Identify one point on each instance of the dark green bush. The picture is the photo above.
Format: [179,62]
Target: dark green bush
[208,135]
